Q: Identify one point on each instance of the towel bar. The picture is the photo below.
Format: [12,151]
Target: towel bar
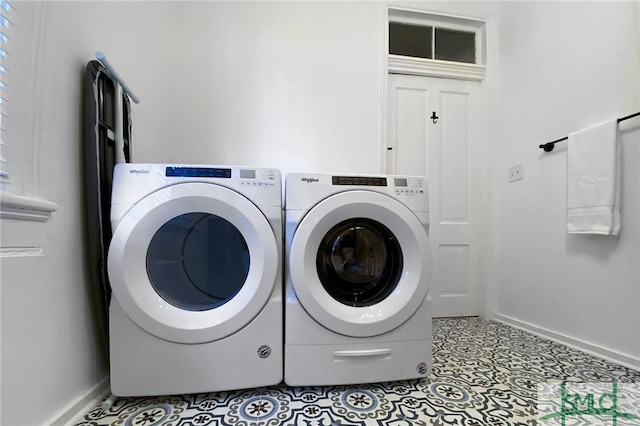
[550,145]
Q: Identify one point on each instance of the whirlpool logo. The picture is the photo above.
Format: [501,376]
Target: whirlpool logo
[138,172]
[310,179]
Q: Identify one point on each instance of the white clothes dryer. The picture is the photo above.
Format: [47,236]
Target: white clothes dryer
[195,269]
[358,307]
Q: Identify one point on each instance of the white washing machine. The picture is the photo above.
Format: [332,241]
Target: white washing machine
[195,269]
[357,306]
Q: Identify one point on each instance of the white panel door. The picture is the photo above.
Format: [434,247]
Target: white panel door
[447,153]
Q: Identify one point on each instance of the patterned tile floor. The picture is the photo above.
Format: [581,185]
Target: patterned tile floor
[484,373]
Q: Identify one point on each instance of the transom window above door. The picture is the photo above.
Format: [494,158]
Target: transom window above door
[428,44]
[432,42]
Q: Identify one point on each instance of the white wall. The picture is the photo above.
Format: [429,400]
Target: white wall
[284,85]
[289,85]
[53,349]
[562,67]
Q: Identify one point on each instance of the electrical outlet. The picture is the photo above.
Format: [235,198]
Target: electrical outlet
[516,172]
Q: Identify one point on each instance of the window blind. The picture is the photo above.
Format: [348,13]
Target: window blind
[5,24]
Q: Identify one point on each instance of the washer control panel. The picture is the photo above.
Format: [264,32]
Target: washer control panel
[358,180]
[409,186]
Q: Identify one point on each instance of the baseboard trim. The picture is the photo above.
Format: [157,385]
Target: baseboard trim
[595,350]
[75,410]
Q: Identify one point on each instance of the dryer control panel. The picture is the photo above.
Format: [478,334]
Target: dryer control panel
[206,172]
[246,177]
[257,177]
[132,182]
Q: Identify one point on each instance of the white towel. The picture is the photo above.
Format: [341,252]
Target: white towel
[593,171]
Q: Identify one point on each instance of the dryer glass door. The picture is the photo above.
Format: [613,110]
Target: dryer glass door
[193,262]
[198,261]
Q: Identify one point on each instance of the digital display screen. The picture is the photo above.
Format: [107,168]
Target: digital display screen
[247,174]
[399,182]
[359,180]
[198,172]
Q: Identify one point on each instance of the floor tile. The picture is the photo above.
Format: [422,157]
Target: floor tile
[484,373]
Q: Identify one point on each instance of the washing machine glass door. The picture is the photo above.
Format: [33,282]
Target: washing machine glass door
[360,263]
[193,262]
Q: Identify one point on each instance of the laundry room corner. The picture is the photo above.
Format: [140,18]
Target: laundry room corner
[271,117]
[269,89]
[580,290]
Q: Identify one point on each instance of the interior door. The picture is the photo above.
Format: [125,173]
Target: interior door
[446,151]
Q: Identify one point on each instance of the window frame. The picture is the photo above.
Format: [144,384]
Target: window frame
[13,206]
[398,64]
[5,23]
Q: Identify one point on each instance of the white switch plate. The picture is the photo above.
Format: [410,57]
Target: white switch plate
[516,172]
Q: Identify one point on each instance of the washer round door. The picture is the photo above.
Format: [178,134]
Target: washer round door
[193,262]
[360,263]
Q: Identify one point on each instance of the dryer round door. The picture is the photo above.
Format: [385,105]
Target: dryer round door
[193,262]
[360,263]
